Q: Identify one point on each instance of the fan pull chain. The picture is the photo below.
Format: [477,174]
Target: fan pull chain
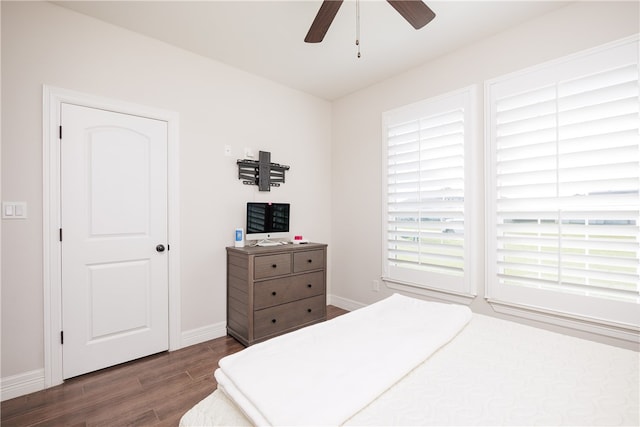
[358,26]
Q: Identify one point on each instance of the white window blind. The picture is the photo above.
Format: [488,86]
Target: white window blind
[425,192]
[565,181]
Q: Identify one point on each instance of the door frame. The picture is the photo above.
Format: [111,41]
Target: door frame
[53,98]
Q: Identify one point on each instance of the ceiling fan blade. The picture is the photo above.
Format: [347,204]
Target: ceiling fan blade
[415,12]
[323,20]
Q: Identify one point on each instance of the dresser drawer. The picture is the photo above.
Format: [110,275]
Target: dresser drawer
[279,291]
[271,265]
[308,260]
[274,320]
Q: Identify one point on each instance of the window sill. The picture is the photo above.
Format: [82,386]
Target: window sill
[608,329]
[431,293]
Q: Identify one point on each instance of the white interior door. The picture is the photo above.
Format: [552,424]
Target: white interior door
[114,219]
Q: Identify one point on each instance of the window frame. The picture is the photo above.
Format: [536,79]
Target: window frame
[436,285]
[613,318]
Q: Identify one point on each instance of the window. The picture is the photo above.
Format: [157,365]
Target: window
[426,233]
[563,214]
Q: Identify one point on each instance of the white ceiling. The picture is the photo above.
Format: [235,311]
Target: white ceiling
[266,37]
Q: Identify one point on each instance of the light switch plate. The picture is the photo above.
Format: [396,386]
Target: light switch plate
[14,210]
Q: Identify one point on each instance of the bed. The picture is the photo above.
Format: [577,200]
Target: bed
[404,361]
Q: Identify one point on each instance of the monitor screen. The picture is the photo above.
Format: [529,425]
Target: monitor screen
[267,218]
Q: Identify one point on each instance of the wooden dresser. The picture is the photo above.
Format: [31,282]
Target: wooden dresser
[276,289]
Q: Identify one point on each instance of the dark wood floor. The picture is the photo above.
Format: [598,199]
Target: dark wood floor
[154,391]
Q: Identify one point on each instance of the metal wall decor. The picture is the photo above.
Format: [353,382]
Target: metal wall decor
[261,172]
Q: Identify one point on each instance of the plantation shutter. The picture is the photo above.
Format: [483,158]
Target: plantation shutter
[425,193]
[566,153]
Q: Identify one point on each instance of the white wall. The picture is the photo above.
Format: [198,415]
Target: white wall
[357,192]
[218,105]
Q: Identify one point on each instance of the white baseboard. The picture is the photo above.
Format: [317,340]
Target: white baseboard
[29,382]
[21,384]
[217,330]
[344,303]
[204,333]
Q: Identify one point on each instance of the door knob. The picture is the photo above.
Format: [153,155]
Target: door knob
[160,248]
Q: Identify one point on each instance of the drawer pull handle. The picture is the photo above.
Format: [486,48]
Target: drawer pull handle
[309,261]
[273,293]
[273,320]
[274,265]
[309,285]
[308,310]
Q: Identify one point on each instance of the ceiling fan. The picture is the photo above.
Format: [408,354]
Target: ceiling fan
[415,12]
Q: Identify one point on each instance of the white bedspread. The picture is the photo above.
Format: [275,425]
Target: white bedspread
[328,372]
[495,372]
[501,373]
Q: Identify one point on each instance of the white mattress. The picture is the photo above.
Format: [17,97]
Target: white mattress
[494,372]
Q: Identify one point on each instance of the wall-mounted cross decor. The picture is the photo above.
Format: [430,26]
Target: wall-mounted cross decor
[262,172]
